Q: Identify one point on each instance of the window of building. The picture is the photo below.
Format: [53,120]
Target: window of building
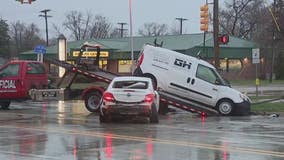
[230,65]
[103,64]
[124,66]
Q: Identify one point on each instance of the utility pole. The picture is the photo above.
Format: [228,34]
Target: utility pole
[121,29]
[181,20]
[216,33]
[272,46]
[46,26]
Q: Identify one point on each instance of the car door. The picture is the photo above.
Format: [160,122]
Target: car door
[205,89]
[36,77]
[10,81]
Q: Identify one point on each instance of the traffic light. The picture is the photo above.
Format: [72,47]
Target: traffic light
[223,39]
[204,18]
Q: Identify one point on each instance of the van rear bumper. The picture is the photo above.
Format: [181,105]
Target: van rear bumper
[242,108]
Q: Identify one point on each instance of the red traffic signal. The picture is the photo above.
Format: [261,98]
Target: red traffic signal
[223,39]
[26,1]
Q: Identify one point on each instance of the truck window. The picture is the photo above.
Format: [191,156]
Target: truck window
[206,74]
[35,68]
[10,70]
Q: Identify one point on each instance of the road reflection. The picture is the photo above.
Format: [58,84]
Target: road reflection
[28,143]
[65,130]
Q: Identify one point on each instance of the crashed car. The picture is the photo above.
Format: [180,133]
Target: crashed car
[130,96]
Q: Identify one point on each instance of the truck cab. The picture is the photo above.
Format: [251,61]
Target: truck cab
[17,77]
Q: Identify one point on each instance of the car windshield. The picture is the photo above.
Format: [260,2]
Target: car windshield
[131,84]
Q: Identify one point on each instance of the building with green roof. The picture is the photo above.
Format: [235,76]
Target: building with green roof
[234,56]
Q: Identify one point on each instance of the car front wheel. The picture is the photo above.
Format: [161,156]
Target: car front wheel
[225,107]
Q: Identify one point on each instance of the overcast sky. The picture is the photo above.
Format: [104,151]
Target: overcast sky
[144,11]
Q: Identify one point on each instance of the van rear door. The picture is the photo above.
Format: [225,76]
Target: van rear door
[10,81]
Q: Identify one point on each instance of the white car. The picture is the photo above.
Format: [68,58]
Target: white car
[130,96]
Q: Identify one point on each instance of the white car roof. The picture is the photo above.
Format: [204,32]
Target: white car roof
[134,78]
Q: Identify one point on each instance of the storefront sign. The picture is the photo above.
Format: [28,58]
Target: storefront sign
[90,54]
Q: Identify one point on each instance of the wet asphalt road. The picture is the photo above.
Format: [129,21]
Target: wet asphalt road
[65,130]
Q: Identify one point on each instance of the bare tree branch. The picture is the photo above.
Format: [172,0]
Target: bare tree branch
[153,29]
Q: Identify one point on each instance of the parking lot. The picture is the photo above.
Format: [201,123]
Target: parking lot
[65,130]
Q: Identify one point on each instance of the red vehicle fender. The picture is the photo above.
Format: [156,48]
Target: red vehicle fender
[92,89]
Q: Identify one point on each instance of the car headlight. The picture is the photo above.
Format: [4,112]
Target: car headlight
[244,97]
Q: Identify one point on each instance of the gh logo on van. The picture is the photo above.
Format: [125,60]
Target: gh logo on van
[182,63]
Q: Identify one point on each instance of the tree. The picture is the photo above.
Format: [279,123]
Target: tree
[31,37]
[153,29]
[57,30]
[17,32]
[78,24]
[24,37]
[4,38]
[115,33]
[239,18]
[101,28]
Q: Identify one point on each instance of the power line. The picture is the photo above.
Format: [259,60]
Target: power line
[46,26]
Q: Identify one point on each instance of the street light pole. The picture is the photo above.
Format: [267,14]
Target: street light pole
[131,37]
[46,26]
[181,20]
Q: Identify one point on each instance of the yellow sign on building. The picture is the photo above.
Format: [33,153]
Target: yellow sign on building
[90,54]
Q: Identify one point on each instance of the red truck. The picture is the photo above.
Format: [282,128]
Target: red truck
[17,77]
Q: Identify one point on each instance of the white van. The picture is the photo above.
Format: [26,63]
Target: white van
[190,78]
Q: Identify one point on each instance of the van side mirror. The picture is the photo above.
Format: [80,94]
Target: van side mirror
[217,82]
[227,83]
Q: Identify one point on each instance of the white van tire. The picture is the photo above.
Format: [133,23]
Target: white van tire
[225,107]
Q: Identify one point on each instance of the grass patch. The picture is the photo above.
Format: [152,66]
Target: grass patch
[268,107]
[252,82]
[263,98]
